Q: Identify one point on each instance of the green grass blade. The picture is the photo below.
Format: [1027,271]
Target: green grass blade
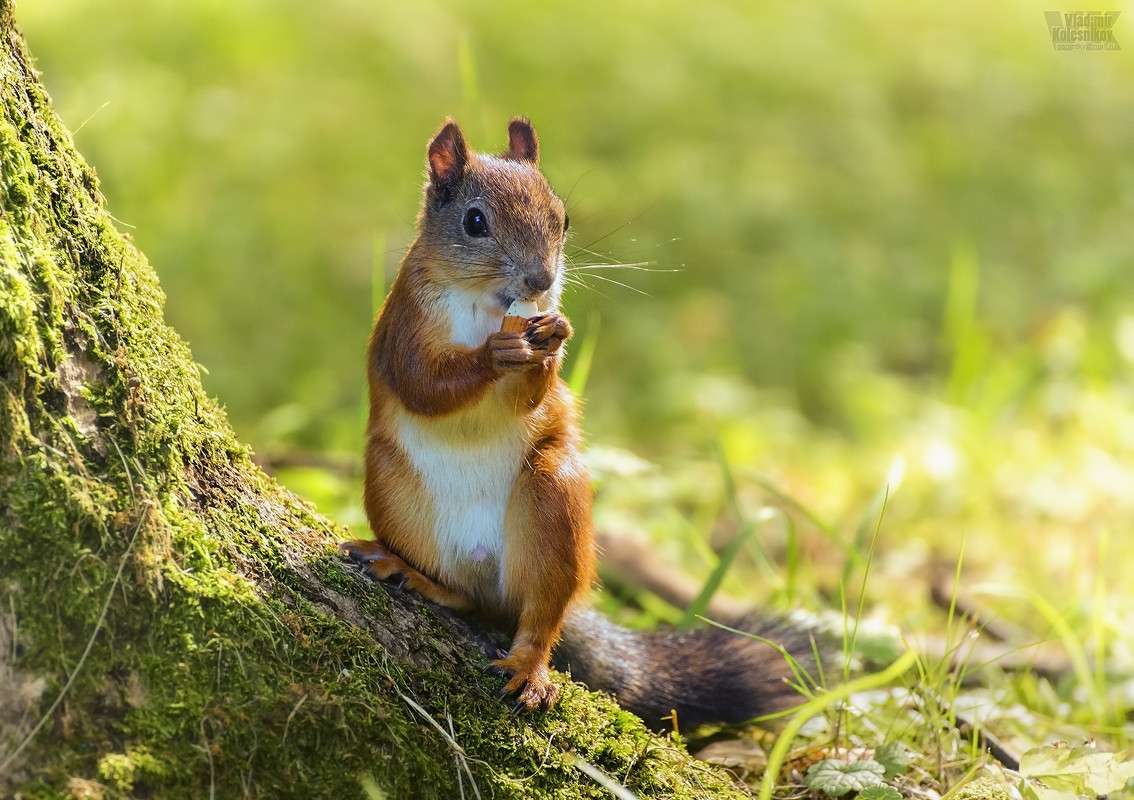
[733,498]
[871,520]
[791,560]
[701,603]
[965,340]
[584,357]
[377,271]
[865,570]
[470,85]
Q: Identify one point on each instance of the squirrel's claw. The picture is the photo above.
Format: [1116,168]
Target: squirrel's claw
[376,560]
[532,690]
[547,332]
[364,551]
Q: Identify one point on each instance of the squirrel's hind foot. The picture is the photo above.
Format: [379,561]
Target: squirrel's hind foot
[375,559]
[379,562]
[532,687]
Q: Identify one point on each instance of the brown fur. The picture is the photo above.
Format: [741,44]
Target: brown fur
[475,487]
[464,393]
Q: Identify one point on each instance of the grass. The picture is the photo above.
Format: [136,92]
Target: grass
[965,506]
[874,257]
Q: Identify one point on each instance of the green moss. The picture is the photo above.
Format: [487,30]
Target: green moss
[982,789]
[165,585]
[121,771]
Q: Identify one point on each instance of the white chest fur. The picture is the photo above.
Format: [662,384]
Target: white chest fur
[472,317]
[469,462]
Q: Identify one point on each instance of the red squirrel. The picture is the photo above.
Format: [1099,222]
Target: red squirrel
[475,486]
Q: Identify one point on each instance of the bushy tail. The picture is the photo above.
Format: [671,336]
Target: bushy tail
[706,675]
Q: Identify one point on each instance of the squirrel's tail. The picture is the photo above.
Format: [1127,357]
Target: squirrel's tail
[706,675]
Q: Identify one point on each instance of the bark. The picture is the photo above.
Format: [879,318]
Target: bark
[172,622]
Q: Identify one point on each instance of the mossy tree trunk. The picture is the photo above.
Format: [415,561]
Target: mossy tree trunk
[173,623]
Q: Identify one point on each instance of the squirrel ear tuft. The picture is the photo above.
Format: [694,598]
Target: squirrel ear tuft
[522,142]
[448,155]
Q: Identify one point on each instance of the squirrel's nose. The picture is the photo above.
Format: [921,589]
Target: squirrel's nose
[538,280]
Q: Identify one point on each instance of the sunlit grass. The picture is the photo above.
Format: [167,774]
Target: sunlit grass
[1015,508]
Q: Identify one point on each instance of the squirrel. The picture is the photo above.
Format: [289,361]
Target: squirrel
[475,486]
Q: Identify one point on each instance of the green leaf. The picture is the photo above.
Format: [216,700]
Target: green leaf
[837,778]
[1083,770]
[895,757]
[879,793]
[1034,790]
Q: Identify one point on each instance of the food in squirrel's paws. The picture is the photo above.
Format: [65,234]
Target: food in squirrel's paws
[516,320]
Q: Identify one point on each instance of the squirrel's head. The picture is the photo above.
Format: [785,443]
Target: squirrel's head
[502,226]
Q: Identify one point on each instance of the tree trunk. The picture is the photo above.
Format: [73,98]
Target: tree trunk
[172,622]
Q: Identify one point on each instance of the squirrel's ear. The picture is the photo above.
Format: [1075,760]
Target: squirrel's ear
[448,155]
[522,142]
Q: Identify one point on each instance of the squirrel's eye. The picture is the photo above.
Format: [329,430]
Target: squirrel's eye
[476,223]
[566,223]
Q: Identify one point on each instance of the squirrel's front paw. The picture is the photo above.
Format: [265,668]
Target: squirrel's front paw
[547,332]
[511,352]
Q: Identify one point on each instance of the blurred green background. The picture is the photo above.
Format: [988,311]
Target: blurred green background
[880,257]
[874,242]
[812,170]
